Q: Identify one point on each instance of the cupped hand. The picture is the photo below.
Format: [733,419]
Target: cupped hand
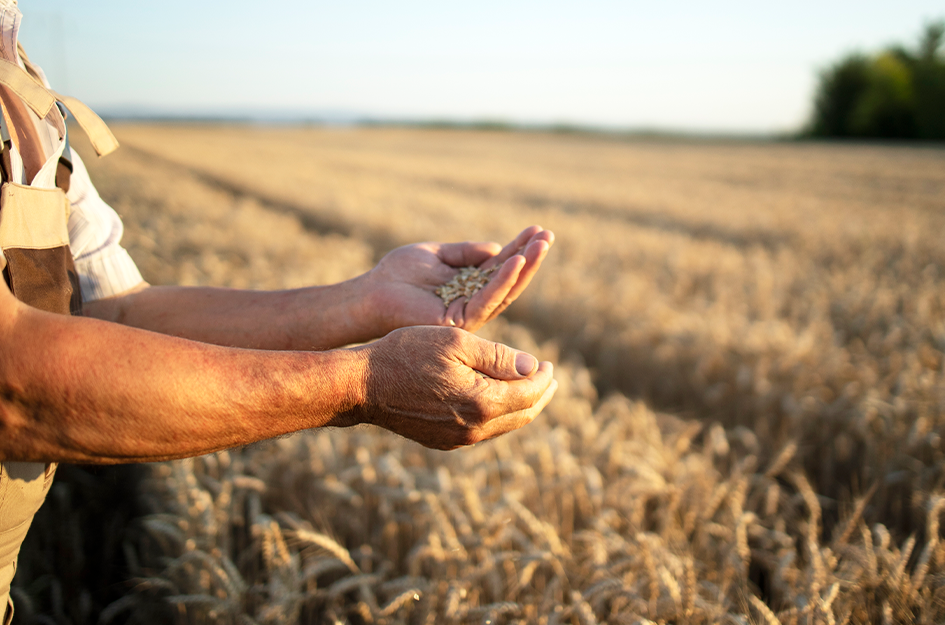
[404,282]
[446,388]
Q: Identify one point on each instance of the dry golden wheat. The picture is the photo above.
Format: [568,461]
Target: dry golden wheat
[784,300]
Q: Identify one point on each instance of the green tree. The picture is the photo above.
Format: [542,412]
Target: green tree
[841,88]
[896,94]
[886,109]
[929,80]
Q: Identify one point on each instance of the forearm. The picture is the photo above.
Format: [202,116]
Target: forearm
[313,318]
[82,390]
[399,292]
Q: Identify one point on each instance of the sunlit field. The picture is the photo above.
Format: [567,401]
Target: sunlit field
[749,343]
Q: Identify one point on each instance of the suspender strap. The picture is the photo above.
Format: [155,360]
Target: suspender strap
[99,135]
[22,84]
[64,167]
[4,130]
[6,159]
[66,150]
[101,138]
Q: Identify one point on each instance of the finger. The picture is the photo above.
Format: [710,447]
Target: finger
[482,304]
[514,247]
[545,235]
[501,362]
[534,254]
[469,253]
[508,397]
[513,421]
[455,313]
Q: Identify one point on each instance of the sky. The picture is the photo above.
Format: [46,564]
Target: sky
[723,66]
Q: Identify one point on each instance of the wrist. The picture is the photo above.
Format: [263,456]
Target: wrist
[350,386]
[325,388]
[379,315]
[332,316]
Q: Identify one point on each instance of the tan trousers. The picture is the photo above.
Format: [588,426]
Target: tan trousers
[23,487]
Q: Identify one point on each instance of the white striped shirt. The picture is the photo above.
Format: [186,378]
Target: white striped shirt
[95,230]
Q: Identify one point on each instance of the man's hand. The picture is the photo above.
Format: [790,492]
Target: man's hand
[446,388]
[402,286]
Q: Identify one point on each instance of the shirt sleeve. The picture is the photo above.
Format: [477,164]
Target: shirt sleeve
[104,266]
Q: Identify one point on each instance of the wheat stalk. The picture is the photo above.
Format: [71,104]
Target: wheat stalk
[329,545]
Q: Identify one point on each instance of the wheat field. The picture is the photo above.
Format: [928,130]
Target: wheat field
[749,340]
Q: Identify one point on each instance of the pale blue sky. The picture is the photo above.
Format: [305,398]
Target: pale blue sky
[730,66]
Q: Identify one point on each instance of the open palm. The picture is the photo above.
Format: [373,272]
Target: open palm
[405,280]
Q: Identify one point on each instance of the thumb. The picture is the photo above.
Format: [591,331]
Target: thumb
[500,361]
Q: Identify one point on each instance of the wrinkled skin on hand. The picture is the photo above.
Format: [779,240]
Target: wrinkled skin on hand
[403,283]
[426,384]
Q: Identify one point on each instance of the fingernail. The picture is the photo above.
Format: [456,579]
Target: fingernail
[525,363]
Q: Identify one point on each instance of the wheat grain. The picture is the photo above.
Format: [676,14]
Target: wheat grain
[329,545]
[819,574]
[406,598]
[781,461]
[538,529]
[898,578]
[466,283]
[673,587]
[854,518]
[766,613]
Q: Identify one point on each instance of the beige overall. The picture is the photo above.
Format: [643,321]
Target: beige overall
[38,268]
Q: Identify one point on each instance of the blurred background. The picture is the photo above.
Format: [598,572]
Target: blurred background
[725,68]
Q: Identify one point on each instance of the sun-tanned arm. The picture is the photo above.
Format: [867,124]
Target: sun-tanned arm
[84,390]
[311,318]
[168,372]
[399,292]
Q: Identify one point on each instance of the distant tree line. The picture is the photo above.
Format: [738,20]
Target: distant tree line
[896,94]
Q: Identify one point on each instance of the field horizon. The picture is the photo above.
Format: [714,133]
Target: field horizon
[355,120]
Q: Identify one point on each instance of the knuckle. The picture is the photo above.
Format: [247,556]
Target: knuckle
[497,356]
[453,336]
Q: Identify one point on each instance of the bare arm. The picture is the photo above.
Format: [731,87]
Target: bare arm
[313,318]
[83,390]
[399,292]
[87,391]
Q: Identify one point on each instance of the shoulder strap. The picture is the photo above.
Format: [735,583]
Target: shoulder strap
[97,131]
[22,84]
[101,138]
